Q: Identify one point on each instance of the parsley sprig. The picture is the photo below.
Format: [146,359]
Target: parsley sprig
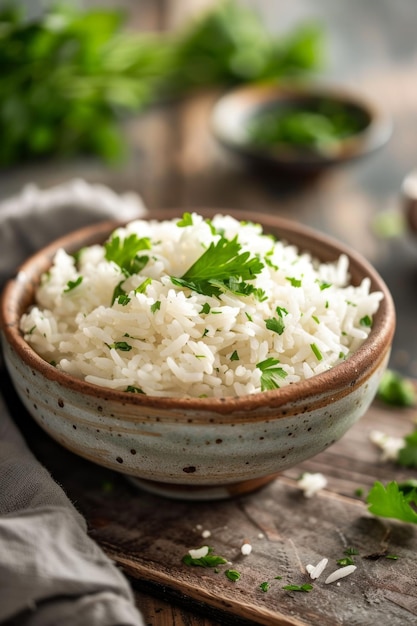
[124,252]
[395,501]
[222,267]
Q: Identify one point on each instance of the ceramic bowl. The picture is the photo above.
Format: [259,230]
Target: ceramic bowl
[236,111]
[201,448]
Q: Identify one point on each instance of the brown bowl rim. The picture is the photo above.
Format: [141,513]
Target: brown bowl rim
[336,382]
[371,138]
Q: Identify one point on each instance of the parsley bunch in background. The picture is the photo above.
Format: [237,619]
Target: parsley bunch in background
[69,77]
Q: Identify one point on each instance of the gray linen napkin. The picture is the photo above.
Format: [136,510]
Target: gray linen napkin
[51,572]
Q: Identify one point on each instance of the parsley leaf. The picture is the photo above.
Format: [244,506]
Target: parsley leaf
[366,321]
[304,587]
[123,346]
[186,220]
[210,560]
[221,266]
[124,252]
[72,284]
[232,575]
[393,501]
[275,324]
[270,373]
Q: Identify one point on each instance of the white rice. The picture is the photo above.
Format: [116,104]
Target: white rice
[183,343]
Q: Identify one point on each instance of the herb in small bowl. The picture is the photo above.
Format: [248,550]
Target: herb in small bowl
[298,127]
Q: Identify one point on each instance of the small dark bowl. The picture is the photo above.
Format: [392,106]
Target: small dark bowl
[235,112]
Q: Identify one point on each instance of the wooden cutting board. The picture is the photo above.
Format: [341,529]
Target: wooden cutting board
[148,536]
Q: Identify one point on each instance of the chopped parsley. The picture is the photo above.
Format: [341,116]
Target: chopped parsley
[143,286]
[205,308]
[221,267]
[265,586]
[270,374]
[232,575]
[316,352]
[275,324]
[366,321]
[346,560]
[234,356]
[295,282]
[156,306]
[123,299]
[72,284]
[133,389]
[186,220]
[324,286]
[207,560]
[305,587]
[123,346]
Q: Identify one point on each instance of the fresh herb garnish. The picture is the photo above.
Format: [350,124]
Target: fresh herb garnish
[395,501]
[123,346]
[346,560]
[270,374]
[156,306]
[143,286]
[72,284]
[206,560]
[123,299]
[232,575]
[234,356]
[186,220]
[124,252]
[396,390]
[222,266]
[304,587]
[295,282]
[366,320]
[275,324]
[316,352]
[265,586]
[133,389]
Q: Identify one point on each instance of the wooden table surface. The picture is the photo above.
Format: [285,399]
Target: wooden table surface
[175,163]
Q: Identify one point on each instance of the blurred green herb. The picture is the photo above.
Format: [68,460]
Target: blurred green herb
[319,125]
[396,390]
[69,76]
[407,456]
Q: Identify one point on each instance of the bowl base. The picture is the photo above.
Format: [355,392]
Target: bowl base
[201,492]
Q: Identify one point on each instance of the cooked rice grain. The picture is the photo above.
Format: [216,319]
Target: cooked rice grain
[172,341]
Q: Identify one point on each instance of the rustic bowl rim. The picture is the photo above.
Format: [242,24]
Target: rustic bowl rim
[335,383]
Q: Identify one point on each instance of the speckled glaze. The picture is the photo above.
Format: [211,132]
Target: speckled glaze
[197,448]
